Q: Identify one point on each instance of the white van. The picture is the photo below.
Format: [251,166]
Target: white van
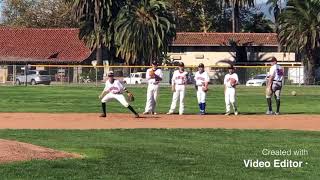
[136,78]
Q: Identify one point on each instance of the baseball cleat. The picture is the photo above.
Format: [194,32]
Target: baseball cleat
[103,115]
[227,114]
[145,113]
[202,113]
[169,113]
[154,113]
[269,113]
[180,113]
[236,113]
[277,113]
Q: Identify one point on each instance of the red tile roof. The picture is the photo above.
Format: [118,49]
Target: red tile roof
[221,39]
[64,46]
[42,45]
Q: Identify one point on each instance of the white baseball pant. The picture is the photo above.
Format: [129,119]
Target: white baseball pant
[179,93]
[118,97]
[230,99]
[201,95]
[152,94]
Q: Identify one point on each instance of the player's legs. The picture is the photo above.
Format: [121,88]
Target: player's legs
[105,99]
[277,97]
[175,97]
[123,101]
[181,106]
[149,100]
[233,100]
[227,101]
[269,103]
[155,97]
[199,100]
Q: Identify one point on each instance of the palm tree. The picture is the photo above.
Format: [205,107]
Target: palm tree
[236,5]
[95,21]
[144,30]
[299,31]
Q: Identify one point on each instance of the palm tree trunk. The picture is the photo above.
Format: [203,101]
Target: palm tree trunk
[97,28]
[235,16]
[310,69]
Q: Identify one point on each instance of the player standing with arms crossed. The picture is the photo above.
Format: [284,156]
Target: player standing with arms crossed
[114,90]
[202,80]
[230,83]
[154,76]
[274,85]
[178,86]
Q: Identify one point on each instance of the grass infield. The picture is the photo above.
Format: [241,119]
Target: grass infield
[85,99]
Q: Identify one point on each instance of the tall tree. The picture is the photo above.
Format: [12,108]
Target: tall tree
[257,23]
[236,5]
[144,31]
[96,23]
[299,31]
[39,14]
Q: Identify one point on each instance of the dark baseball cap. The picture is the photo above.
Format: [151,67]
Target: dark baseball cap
[154,63]
[110,74]
[231,67]
[273,59]
[181,64]
[201,65]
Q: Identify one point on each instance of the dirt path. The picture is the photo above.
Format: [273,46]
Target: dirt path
[115,121]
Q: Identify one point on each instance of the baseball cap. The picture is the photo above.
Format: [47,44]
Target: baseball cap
[154,63]
[181,64]
[231,67]
[110,74]
[273,59]
[201,65]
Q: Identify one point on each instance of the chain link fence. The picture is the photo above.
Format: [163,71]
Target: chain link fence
[131,75]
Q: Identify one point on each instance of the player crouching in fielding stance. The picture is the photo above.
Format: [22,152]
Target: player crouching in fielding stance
[178,86]
[153,76]
[202,80]
[230,83]
[114,90]
[274,85]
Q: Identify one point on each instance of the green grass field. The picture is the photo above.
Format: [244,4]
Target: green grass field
[160,153]
[164,154]
[84,99]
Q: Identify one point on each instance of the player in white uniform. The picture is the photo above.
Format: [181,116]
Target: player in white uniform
[230,82]
[154,76]
[178,86]
[274,85]
[114,90]
[202,79]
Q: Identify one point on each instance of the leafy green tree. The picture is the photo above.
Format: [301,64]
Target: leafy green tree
[144,30]
[299,31]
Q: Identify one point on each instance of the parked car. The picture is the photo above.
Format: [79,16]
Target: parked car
[135,78]
[258,80]
[34,77]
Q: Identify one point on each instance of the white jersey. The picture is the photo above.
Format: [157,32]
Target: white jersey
[150,80]
[179,78]
[202,78]
[227,78]
[277,72]
[116,87]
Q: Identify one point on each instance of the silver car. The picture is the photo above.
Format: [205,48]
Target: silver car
[34,77]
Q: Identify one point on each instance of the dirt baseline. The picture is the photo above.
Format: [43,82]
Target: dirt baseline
[117,121]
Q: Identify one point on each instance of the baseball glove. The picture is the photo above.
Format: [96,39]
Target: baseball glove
[130,97]
[151,73]
[233,82]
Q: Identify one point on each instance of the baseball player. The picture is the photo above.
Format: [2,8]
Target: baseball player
[202,79]
[274,85]
[114,90]
[178,86]
[230,82]
[154,76]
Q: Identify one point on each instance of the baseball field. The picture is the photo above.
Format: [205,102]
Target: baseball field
[218,148]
